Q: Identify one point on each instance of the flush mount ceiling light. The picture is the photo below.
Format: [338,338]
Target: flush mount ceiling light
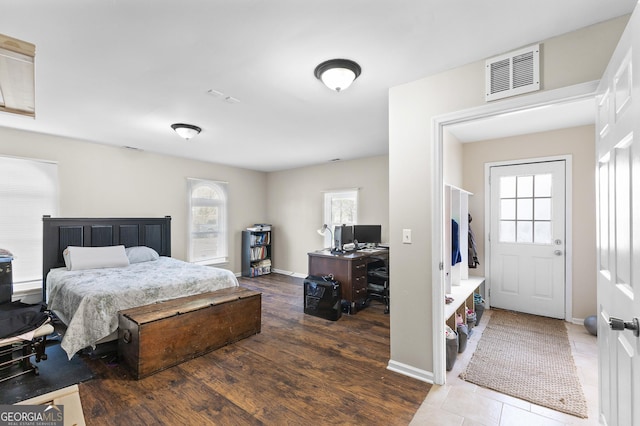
[337,74]
[186,131]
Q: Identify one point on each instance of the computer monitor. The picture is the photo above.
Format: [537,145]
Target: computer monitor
[347,234]
[342,235]
[368,234]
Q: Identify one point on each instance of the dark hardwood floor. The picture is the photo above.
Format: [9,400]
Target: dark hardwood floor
[300,369]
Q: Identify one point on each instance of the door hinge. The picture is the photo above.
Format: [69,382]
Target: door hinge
[489,291]
[441,266]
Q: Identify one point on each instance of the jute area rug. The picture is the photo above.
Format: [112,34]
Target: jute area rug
[528,357]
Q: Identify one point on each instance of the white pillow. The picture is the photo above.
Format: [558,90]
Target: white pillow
[77,258]
[141,254]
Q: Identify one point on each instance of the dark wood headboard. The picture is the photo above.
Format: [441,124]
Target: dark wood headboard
[59,233]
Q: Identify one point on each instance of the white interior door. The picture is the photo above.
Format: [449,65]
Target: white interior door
[618,204]
[527,238]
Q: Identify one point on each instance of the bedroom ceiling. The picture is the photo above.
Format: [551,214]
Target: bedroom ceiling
[121,72]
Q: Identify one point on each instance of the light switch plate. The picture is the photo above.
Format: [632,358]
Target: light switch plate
[406,236]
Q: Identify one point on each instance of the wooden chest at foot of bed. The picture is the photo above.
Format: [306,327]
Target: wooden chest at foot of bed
[158,336]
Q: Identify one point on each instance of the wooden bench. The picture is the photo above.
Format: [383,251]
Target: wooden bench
[154,337]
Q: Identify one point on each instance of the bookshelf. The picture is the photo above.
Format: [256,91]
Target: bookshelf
[256,251]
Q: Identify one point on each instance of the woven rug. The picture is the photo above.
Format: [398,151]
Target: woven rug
[528,357]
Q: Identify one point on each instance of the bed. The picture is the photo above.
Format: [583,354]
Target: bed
[87,301]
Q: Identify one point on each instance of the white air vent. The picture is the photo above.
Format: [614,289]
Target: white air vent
[513,73]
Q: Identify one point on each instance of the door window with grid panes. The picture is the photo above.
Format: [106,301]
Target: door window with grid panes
[525,209]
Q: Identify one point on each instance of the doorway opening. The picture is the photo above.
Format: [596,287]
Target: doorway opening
[522,158]
[441,126]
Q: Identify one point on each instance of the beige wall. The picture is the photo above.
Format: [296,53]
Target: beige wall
[104,181]
[579,142]
[296,198]
[452,170]
[566,60]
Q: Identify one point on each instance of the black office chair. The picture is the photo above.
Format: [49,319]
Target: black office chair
[378,283]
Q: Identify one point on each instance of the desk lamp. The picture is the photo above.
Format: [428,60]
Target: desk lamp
[322,231]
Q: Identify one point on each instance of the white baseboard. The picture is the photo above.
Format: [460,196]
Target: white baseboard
[577,321]
[280,271]
[407,370]
[293,274]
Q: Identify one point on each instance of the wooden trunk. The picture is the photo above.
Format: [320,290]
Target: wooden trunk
[158,336]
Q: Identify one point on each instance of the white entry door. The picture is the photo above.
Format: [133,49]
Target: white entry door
[527,238]
[618,204]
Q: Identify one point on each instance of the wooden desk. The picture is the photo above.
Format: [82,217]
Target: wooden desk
[350,269]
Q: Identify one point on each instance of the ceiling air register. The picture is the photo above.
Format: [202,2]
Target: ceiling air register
[513,73]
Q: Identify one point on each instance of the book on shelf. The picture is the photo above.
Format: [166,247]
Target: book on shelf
[258,253]
[260,268]
[261,239]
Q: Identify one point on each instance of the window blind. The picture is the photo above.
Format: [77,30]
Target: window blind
[28,190]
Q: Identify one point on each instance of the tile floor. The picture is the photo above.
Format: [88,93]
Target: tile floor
[459,403]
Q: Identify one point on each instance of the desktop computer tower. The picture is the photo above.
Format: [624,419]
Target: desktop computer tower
[322,297]
[342,235]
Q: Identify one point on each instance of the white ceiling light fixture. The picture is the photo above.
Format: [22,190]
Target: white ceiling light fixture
[186,131]
[337,74]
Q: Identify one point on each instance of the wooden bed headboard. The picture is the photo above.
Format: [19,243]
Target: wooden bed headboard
[59,233]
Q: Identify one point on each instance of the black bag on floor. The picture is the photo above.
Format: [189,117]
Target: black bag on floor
[322,297]
[17,318]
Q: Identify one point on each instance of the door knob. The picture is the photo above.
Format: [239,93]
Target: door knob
[558,252]
[618,324]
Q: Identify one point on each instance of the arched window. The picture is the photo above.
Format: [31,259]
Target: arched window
[208,239]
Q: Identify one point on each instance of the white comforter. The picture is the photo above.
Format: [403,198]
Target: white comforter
[88,300]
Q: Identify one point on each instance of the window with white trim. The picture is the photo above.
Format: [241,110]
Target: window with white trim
[28,191]
[340,208]
[208,236]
